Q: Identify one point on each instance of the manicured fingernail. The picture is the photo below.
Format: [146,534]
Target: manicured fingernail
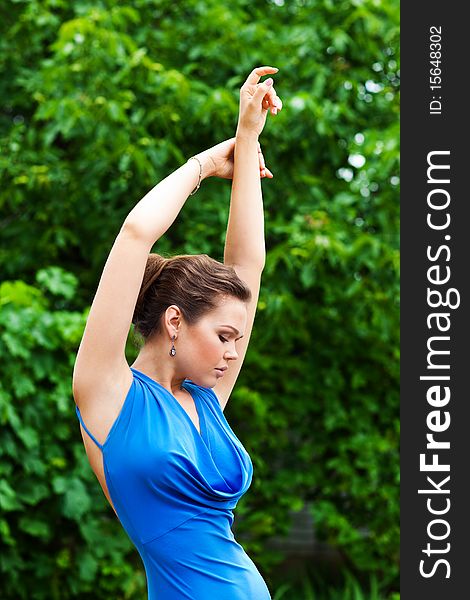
[269,81]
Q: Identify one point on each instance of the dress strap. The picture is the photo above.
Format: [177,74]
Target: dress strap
[77,410]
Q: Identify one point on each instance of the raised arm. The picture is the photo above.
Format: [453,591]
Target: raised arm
[157,210]
[101,359]
[244,242]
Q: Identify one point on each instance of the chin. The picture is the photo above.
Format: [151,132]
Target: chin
[202,383]
[196,380]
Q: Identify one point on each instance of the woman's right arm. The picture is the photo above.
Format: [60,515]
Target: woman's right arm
[101,360]
[155,213]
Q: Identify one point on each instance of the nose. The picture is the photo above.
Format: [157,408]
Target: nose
[231,355]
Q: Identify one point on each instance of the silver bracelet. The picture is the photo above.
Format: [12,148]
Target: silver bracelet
[200,174]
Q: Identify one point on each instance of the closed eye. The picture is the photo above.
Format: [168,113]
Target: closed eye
[223,339]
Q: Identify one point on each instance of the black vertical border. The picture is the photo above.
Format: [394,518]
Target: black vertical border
[422,133]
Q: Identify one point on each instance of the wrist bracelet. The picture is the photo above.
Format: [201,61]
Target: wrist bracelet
[200,174]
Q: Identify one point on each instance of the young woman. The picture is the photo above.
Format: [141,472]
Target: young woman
[157,438]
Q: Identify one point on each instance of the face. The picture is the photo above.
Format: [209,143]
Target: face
[212,342]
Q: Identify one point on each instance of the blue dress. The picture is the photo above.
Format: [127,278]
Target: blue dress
[174,490]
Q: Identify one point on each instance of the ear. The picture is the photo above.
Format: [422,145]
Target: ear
[172,319]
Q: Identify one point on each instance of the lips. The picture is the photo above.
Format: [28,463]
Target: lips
[222,369]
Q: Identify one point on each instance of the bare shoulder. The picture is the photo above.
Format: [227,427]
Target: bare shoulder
[101,403]
[99,407]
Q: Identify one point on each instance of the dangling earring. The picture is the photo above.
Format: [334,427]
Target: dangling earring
[173,349]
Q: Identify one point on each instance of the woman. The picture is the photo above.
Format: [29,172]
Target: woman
[157,438]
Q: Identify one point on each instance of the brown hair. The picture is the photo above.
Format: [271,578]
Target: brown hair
[194,282]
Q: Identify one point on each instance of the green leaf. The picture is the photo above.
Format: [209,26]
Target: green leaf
[35,527]
[57,281]
[77,501]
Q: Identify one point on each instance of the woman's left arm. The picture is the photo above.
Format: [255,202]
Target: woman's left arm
[244,242]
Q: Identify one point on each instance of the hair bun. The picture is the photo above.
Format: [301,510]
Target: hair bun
[193,283]
[153,269]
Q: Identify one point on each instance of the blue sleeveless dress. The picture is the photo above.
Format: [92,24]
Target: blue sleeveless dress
[174,490]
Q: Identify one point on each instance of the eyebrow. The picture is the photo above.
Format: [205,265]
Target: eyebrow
[230,327]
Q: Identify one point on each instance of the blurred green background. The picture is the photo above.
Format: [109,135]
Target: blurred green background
[99,101]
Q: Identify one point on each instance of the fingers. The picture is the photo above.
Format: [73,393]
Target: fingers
[277,107]
[264,93]
[264,171]
[262,90]
[272,100]
[261,159]
[255,75]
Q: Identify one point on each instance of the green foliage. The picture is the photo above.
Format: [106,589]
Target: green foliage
[101,100]
[318,589]
[58,536]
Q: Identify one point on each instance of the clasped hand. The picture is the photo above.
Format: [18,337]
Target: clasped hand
[256,99]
